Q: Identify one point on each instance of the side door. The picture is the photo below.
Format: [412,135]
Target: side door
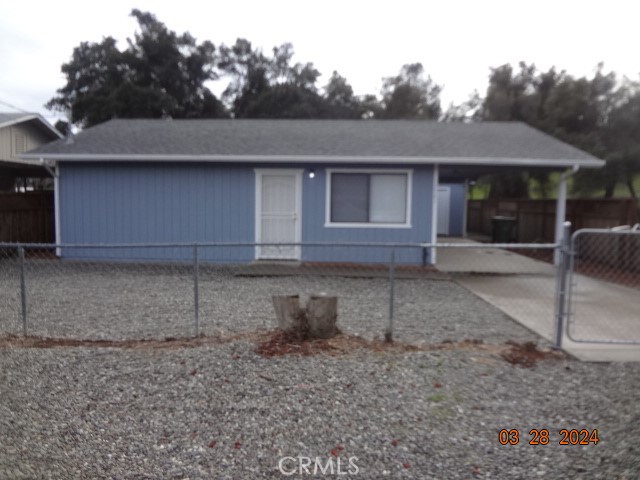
[278,213]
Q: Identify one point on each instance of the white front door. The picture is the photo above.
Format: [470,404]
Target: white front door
[444,205]
[278,213]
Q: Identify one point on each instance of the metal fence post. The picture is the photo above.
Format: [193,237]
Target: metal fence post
[196,300]
[23,291]
[388,334]
[561,283]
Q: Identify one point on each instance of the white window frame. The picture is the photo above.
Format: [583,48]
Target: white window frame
[327,209]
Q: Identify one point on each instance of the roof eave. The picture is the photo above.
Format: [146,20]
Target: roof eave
[28,118]
[496,161]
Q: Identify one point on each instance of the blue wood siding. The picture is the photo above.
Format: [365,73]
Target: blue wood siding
[115,202]
[456,209]
[313,223]
[157,203]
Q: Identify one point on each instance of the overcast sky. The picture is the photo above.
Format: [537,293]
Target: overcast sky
[456,41]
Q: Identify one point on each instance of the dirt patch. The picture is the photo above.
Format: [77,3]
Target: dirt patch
[527,354]
[269,344]
[281,343]
[291,343]
[14,341]
[278,343]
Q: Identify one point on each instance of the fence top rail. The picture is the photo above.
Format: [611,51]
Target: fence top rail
[635,230]
[528,246]
[299,244]
[210,244]
[552,200]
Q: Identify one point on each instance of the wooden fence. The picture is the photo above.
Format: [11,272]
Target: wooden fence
[27,217]
[536,218]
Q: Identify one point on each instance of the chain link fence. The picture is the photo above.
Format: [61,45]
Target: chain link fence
[519,279]
[604,286]
[123,292]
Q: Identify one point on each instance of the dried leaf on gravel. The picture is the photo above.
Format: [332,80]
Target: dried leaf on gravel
[337,450]
[527,354]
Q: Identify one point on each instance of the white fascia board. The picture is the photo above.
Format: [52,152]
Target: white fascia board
[506,162]
[25,161]
[27,118]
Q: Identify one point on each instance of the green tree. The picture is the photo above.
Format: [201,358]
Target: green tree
[575,110]
[270,87]
[341,100]
[622,137]
[286,101]
[95,75]
[248,72]
[468,111]
[262,86]
[371,107]
[514,96]
[578,111]
[159,74]
[410,95]
[173,69]
[62,127]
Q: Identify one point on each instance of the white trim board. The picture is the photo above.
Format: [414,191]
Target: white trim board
[56,209]
[27,118]
[284,158]
[434,214]
[464,210]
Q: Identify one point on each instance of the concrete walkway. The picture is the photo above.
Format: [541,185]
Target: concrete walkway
[524,289]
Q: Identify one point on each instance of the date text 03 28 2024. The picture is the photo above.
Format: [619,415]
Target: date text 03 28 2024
[542,436]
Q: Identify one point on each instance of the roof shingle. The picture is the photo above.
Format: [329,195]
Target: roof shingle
[326,138]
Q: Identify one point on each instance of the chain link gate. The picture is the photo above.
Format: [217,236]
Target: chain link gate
[604,286]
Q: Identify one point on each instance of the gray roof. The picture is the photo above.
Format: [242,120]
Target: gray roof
[6,117]
[12,118]
[371,141]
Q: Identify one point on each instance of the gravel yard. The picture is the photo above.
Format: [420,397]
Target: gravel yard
[220,410]
[223,411]
[125,301]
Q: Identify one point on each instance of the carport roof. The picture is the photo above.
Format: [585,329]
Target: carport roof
[322,141]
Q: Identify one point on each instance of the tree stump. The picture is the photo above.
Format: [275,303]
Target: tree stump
[318,320]
[289,314]
[322,314]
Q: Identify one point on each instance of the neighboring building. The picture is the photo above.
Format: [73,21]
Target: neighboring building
[20,132]
[282,181]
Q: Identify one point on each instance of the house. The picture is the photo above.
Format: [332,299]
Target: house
[281,181]
[20,132]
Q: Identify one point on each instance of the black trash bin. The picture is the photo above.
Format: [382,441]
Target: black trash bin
[504,229]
